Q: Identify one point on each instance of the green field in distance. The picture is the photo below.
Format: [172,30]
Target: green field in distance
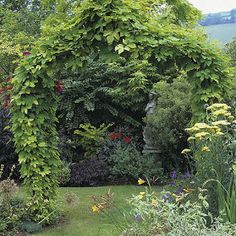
[223,32]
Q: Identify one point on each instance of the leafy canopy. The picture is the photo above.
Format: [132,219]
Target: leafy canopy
[111,30]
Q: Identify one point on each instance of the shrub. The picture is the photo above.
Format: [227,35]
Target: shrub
[12,208]
[128,164]
[8,157]
[89,172]
[92,138]
[172,115]
[152,216]
[64,173]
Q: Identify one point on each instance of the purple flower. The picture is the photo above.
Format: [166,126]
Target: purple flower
[173,175]
[171,199]
[179,190]
[168,195]
[172,184]
[26,53]
[186,175]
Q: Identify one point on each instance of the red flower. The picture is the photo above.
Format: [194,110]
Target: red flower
[119,135]
[127,139]
[2,90]
[26,53]
[9,87]
[6,102]
[112,136]
[59,86]
[8,79]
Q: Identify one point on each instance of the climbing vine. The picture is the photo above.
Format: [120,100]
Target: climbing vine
[111,30]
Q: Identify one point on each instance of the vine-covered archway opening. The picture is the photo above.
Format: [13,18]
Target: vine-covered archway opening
[115,32]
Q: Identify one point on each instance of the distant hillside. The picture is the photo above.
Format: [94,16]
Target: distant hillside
[219,18]
[221,32]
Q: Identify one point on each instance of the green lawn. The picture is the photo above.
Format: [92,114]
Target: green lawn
[81,221]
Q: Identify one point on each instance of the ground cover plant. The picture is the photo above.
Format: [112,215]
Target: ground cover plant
[174,214]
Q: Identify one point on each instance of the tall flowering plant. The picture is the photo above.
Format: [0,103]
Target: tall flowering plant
[213,148]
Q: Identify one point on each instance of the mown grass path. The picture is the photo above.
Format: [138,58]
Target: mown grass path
[80,220]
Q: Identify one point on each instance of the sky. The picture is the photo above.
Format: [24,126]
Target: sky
[211,6]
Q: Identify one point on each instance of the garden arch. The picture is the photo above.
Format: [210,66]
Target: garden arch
[110,29]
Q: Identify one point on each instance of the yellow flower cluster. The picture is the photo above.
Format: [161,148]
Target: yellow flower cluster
[203,130]
[141,195]
[221,116]
[205,149]
[220,109]
[186,150]
[96,209]
[141,181]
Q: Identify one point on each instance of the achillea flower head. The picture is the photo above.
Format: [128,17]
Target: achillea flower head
[221,112]
[140,197]
[221,122]
[186,150]
[219,133]
[205,149]
[154,202]
[201,135]
[216,106]
[191,138]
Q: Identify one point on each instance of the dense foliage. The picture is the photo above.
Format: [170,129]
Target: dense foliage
[89,172]
[152,217]
[127,164]
[166,127]
[127,31]
[8,158]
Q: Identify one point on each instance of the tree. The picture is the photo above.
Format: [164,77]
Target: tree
[233,15]
[231,51]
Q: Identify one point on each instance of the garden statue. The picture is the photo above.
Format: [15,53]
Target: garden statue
[150,108]
[149,147]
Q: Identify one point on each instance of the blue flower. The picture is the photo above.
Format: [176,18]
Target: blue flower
[138,218]
[172,183]
[179,190]
[171,199]
[173,175]
[186,175]
[167,195]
